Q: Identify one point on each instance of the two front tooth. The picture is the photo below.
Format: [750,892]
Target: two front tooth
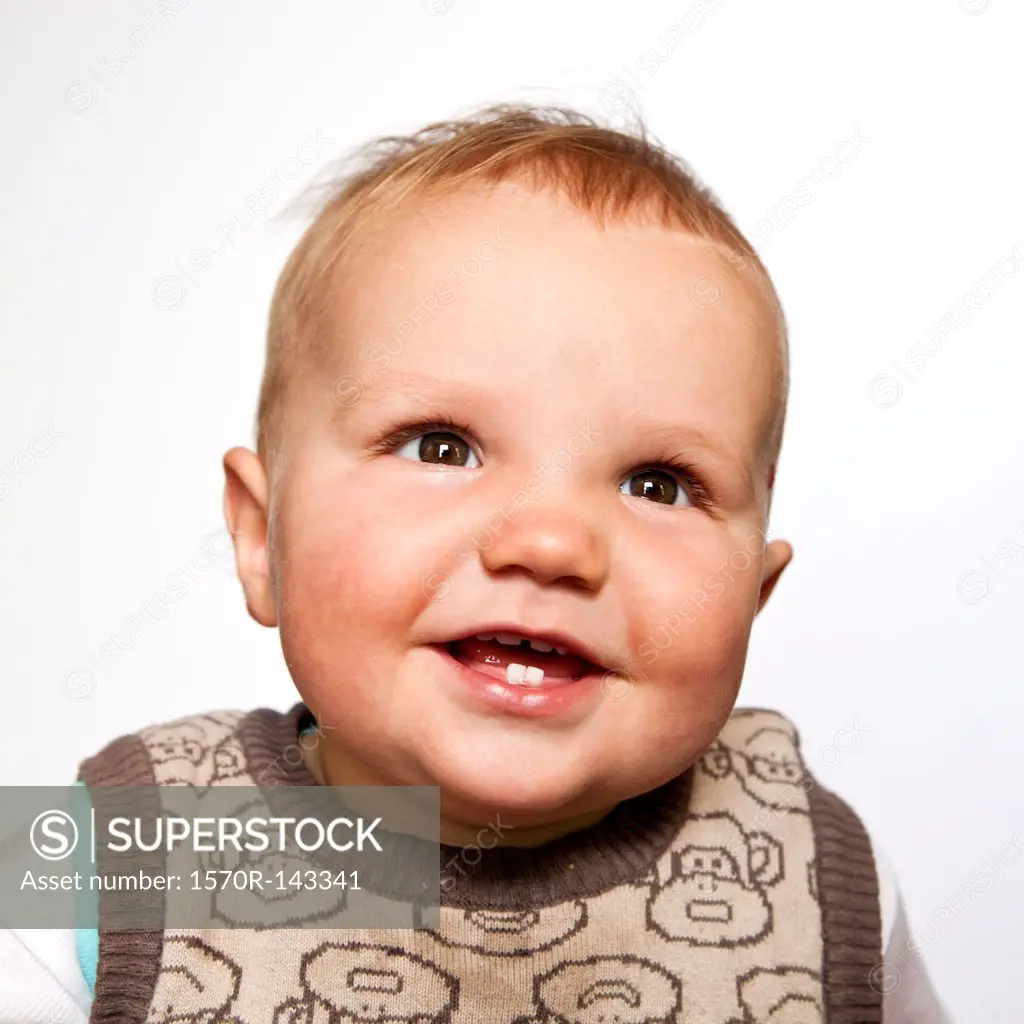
[523,675]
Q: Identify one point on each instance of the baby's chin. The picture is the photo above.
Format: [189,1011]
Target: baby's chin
[476,785]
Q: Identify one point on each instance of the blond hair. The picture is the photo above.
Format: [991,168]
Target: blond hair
[608,173]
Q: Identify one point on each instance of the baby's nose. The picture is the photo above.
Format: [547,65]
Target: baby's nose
[551,544]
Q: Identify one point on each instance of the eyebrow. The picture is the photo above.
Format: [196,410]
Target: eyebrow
[421,385]
[681,434]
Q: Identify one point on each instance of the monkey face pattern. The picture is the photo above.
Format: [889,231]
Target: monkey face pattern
[273,901]
[369,984]
[765,760]
[715,892]
[196,984]
[184,752]
[783,995]
[769,767]
[271,904]
[608,990]
[229,762]
[513,932]
[178,753]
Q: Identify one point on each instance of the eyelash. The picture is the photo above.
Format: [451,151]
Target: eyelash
[701,495]
[405,432]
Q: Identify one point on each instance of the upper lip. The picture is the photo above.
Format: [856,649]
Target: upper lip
[555,637]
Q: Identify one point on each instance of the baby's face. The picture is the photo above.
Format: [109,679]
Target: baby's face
[491,451]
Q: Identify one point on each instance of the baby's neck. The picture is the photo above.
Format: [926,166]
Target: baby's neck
[458,833]
[455,830]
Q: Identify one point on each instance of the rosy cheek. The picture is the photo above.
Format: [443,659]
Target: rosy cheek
[697,617]
[330,576]
[349,569]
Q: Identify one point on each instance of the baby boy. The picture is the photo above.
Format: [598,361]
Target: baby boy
[523,404]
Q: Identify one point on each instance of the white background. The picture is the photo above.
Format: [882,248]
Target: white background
[891,488]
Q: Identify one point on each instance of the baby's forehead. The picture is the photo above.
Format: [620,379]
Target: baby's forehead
[466,215]
[433,250]
[522,285]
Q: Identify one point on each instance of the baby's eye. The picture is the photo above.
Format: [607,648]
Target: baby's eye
[656,485]
[441,448]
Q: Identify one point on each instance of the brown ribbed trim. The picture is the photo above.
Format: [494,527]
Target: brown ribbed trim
[129,961]
[851,926]
[621,847]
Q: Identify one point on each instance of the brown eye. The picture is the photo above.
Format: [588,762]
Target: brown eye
[656,485]
[441,448]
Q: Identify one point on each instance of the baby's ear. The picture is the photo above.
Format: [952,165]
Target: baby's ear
[776,557]
[245,509]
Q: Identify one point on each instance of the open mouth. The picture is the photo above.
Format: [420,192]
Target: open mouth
[520,660]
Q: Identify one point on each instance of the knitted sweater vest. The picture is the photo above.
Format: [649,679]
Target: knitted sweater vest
[741,892]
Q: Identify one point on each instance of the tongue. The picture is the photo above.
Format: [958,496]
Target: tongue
[481,653]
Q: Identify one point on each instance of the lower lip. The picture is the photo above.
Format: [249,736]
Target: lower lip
[548,700]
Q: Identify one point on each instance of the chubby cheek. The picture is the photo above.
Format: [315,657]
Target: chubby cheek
[690,643]
[350,579]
